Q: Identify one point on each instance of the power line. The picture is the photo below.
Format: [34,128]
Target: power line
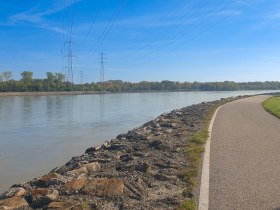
[174,11]
[173,27]
[191,10]
[197,23]
[90,29]
[73,2]
[208,28]
[107,30]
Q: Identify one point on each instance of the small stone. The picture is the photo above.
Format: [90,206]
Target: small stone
[139,154]
[75,185]
[169,130]
[13,203]
[92,167]
[69,205]
[126,158]
[162,177]
[106,145]
[143,167]
[158,133]
[92,149]
[155,143]
[174,125]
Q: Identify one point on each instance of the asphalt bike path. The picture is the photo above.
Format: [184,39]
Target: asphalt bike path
[245,157]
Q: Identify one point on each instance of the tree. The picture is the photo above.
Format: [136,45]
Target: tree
[7,75]
[60,77]
[50,77]
[27,76]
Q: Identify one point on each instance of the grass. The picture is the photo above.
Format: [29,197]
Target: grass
[272,105]
[188,205]
[189,175]
[194,150]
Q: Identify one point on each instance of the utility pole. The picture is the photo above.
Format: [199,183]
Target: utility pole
[69,65]
[101,58]
[82,77]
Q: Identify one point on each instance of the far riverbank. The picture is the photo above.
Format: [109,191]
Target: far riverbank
[50,93]
[62,93]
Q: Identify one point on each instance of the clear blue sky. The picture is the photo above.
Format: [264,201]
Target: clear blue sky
[153,40]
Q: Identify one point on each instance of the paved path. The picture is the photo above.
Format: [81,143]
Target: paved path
[245,157]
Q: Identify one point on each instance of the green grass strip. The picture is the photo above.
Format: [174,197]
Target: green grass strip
[194,150]
[272,105]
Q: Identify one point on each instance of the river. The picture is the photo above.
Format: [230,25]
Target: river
[38,133]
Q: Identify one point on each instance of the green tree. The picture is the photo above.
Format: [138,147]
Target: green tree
[50,77]
[60,77]
[27,76]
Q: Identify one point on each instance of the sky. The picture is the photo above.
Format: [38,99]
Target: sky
[147,40]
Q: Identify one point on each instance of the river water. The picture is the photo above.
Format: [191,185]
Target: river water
[38,133]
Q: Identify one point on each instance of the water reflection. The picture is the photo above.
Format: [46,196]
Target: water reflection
[49,108]
[101,107]
[54,108]
[26,111]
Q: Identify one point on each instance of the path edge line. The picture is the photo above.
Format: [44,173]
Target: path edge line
[203,203]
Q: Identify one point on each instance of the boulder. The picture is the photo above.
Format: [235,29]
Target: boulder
[13,203]
[46,180]
[104,187]
[49,176]
[14,192]
[92,167]
[75,185]
[77,172]
[41,196]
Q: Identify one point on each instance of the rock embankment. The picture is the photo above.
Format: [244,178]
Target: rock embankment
[137,170]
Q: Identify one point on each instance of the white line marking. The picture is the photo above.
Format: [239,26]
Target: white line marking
[204,187]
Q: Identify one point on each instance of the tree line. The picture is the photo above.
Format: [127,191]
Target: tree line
[56,82]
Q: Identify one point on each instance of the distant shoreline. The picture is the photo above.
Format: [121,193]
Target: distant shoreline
[53,93]
[2,94]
